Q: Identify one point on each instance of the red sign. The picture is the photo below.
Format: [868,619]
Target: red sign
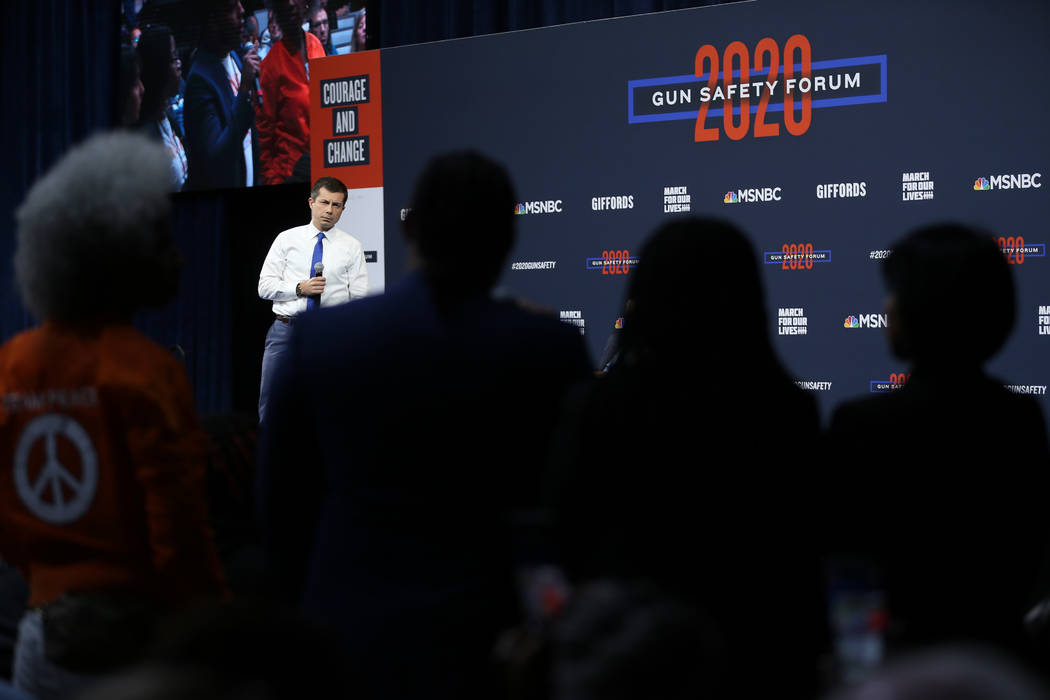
[346,119]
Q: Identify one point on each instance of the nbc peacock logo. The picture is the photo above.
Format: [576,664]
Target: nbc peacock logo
[981,183]
[730,198]
[851,322]
[520,209]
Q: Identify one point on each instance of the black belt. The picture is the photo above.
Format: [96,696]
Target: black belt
[285,319]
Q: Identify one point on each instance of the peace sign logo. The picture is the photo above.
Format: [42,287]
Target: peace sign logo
[54,493]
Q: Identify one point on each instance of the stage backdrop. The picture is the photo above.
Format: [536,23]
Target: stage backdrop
[860,122]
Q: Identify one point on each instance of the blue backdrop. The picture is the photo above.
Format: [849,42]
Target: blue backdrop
[958,109]
[914,122]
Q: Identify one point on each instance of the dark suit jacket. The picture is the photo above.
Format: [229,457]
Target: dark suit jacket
[397,439]
[216,123]
[943,483]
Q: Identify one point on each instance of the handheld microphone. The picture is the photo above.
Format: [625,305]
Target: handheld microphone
[245,48]
[316,300]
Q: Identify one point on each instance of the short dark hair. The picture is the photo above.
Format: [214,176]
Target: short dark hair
[331,184]
[209,18]
[943,267]
[462,220]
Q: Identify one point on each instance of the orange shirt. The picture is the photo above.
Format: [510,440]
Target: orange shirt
[283,120]
[102,475]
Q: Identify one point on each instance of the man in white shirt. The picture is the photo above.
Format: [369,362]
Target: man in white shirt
[309,267]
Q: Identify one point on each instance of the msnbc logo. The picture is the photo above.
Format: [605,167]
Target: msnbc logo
[851,322]
[619,323]
[549,206]
[752,194]
[1018,181]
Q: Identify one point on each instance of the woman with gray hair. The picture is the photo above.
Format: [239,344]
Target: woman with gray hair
[107,517]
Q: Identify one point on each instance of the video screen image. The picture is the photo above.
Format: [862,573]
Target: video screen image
[224,84]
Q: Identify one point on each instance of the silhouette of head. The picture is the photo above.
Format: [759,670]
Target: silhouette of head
[932,274]
[221,23]
[694,275]
[461,224]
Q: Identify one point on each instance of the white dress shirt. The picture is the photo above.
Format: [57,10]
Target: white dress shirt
[289,262]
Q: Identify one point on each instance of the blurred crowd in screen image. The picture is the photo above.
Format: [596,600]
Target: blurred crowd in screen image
[224,84]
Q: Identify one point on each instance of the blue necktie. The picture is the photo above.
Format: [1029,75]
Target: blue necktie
[312,302]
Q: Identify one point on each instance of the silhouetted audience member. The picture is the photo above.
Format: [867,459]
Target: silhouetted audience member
[221,140]
[106,515]
[948,674]
[161,77]
[387,515]
[686,462]
[943,481]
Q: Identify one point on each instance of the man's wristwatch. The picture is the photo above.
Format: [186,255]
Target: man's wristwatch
[298,289]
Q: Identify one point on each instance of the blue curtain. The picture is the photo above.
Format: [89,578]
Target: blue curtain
[414,21]
[197,322]
[58,63]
